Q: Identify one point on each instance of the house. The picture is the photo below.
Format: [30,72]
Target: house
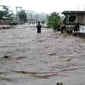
[5,21]
[72,17]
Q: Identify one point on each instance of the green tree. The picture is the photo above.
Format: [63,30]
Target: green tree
[7,11]
[1,15]
[53,20]
[43,22]
[22,16]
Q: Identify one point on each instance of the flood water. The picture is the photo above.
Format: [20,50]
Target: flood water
[28,58]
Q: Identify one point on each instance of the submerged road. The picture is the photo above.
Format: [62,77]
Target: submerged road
[28,58]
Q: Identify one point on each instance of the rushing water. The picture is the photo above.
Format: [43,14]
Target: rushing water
[28,58]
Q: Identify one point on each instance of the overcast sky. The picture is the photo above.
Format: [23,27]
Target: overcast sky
[46,6]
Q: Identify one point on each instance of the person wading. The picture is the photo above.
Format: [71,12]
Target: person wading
[38,27]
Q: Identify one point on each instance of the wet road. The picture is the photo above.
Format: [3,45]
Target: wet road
[28,58]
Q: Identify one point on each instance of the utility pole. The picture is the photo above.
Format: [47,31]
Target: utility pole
[20,8]
[78,15]
[31,18]
[16,13]
[17,7]
[36,18]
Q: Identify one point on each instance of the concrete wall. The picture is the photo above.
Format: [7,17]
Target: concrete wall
[3,22]
[79,18]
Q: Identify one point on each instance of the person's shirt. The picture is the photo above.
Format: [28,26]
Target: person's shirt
[39,26]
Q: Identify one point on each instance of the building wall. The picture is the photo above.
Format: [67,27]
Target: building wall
[84,19]
[3,22]
[80,19]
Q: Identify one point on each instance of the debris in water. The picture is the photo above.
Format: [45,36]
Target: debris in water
[51,54]
[59,83]
[68,59]
[46,74]
[6,79]
[21,57]
[4,58]
[75,51]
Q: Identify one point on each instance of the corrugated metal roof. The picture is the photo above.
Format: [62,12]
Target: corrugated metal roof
[73,12]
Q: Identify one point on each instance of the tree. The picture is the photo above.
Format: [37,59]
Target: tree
[22,16]
[53,20]
[1,15]
[7,11]
[43,22]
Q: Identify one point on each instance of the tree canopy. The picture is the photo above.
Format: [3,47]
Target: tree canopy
[53,20]
[1,14]
[5,12]
[43,22]
[22,16]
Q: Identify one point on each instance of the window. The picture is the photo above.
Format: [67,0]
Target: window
[72,18]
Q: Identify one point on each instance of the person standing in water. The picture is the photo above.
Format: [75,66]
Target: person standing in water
[38,27]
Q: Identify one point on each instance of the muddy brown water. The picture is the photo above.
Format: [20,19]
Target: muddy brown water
[28,58]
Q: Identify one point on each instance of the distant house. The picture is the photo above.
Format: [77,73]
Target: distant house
[72,17]
[5,21]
